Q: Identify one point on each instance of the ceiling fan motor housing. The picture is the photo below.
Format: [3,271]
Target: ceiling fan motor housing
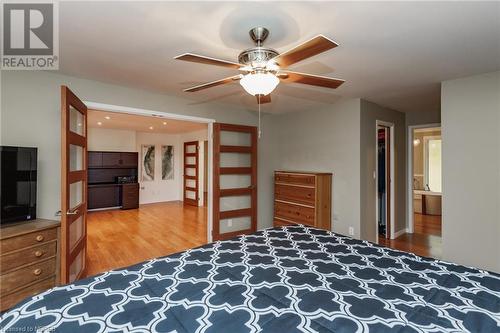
[257,57]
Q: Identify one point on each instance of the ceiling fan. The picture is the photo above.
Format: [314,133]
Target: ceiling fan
[263,68]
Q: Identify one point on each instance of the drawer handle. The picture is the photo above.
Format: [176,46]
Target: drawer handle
[39,238]
[38,253]
[37,271]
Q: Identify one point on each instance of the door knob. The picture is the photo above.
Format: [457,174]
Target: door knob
[69,212]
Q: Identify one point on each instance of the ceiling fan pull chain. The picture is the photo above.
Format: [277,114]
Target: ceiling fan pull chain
[258,130]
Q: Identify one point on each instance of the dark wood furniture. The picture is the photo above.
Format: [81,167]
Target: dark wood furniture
[130,196]
[112,159]
[104,191]
[29,260]
[104,195]
[303,198]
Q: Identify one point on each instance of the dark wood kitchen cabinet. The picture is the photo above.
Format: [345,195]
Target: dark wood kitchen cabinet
[94,159]
[129,160]
[130,196]
[111,159]
[103,196]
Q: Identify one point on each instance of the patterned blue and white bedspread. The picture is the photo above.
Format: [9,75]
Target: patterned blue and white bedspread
[288,280]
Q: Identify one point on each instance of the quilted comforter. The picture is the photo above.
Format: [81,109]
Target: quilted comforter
[290,279]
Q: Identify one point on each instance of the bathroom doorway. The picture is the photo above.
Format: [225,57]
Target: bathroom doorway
[425,189]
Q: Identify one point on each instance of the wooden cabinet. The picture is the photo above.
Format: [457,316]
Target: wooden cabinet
[112,159]
[129,160]
[130,196]
[103,196]
[94,159]
[303,198]
[29,260]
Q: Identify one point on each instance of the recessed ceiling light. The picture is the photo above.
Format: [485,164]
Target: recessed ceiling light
[164,123]
[150,127]
[108,117]
[99,123]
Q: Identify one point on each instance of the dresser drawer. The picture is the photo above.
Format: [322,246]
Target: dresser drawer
[302,195]
[26,275]
[295,213]
[12,299]
[27,240]
[295,178]
[30,255]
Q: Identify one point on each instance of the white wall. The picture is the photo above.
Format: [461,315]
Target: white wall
[107,139]
[471,170]
[160,190]
[30,116]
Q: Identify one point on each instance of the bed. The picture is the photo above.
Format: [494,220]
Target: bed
[289,279]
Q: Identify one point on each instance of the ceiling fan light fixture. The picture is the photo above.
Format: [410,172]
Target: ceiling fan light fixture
[259,83]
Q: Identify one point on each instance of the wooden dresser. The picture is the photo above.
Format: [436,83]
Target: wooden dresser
[303,198]
[29,260]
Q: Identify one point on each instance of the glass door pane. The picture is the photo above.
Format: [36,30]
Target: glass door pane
[76,121]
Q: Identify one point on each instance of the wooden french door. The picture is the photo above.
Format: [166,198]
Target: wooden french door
[234,180]
[73,186]
[191,179]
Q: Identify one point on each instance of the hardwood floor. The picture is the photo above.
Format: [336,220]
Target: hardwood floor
[119,238]
[425,241]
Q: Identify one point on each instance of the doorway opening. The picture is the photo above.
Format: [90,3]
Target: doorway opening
[147,184]
[425,190]
[383,176]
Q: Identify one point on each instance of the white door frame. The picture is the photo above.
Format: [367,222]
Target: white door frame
[391,176]
[409,173]
[165,115]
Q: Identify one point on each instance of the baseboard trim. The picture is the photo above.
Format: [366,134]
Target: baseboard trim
[400,232]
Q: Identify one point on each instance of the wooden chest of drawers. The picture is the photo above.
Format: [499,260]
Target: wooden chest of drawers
[303,198]
[29,260]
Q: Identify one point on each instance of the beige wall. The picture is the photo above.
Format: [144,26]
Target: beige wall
[325,140]
[30,116]
[422,117]
[471,170]
[370,113]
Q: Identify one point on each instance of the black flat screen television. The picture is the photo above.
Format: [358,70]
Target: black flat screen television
[18,182]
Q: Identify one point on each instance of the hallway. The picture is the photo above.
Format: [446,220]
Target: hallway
[425,241]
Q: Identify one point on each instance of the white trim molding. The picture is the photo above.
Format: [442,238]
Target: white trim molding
[400,232]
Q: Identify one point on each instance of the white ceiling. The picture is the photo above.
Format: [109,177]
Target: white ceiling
[131,122]
[391,53]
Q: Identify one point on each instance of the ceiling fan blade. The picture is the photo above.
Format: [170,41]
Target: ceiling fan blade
[263,99]
[305,50]
[214,83]
[310,79]
[207,60]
